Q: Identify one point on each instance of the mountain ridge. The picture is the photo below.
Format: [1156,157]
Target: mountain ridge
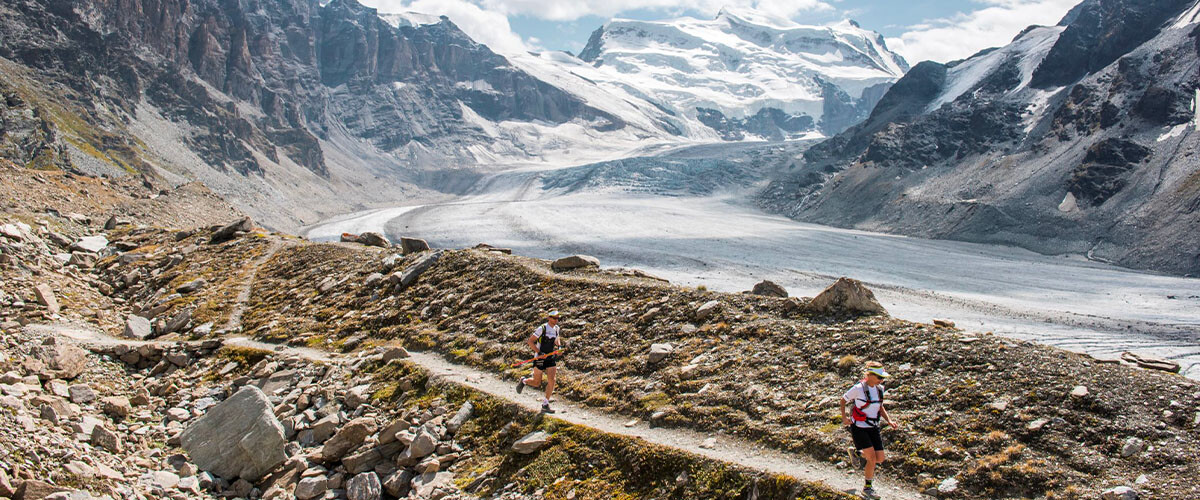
[980,150]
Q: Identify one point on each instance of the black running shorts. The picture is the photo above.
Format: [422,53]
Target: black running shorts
[866,437]
[547,362]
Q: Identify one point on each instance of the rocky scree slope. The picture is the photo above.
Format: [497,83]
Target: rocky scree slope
[136,420]
[744,76]
[294,107]
[1076,138]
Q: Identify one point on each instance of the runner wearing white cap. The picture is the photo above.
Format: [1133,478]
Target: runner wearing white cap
[865,401]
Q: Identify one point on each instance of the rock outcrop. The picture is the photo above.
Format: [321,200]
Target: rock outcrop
[238,438]
[845,297]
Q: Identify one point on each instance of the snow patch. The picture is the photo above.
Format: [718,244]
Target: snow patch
[1030,49]
[1175,131]
[1192,16]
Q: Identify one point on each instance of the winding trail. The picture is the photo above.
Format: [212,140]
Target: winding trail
[727,449]
[239,306]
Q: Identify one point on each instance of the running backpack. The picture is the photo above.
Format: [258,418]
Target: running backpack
[857,413]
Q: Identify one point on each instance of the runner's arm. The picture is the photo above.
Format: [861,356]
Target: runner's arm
[845,417]
[886,418]
[530,342]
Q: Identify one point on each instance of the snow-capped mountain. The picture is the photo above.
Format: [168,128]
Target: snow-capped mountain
[1076,138]
[744,75]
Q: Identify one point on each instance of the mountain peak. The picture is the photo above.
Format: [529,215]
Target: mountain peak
[741,15]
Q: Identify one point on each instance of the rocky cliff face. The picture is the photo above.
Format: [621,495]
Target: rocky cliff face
[284,106]
[1077,138]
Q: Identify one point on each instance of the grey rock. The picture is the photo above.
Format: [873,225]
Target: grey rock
[574,262]
[348,438]
[413,245]
[394,353]
[425,485]
[948,486]
[373,239]
[90,244]
[1132,447]
[531,443]
[364,486]
[238,438]
[659,352]
[846,297]
[399,483]
[707,310]
[1120,493]
[62,360]
[416,269]
[45,297]
[177,322]
[117,407]
[1151,363]
[312,487]
[106,439]
[139,328]
[424,444]
[191,286]
[81,394]
[227,233]
[769,289]
[460,418]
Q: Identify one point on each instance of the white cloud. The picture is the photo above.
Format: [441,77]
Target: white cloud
[962,35]
[485,26]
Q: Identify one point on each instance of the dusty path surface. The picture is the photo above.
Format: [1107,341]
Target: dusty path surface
[726,449]
[239,308]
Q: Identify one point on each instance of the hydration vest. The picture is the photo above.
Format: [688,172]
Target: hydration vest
[856,411]
[545,342]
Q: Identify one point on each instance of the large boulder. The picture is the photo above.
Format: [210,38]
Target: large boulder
[373,239]
[62,360]
[413,245]
[846,297]
[229,232]
[769,289]
[574,262]
[238,438]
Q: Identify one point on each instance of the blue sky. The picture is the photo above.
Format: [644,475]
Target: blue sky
[940,30]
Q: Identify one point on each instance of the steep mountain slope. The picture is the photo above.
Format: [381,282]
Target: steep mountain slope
[293,109]
[743,75]
[1076,138]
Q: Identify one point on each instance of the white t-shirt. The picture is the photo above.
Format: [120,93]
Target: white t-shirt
[856,397]
[551,331]
[550,335]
